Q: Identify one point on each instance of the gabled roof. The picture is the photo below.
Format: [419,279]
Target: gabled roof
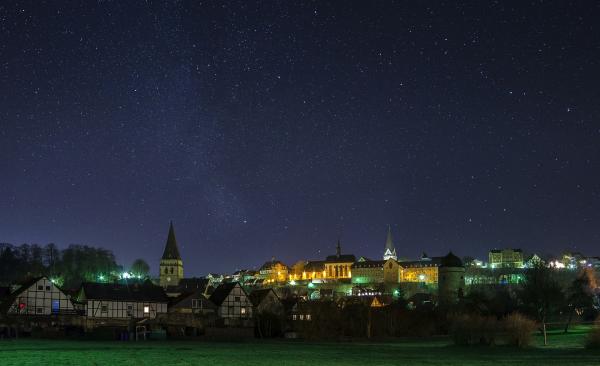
[429,262]
[171,249]
[369,264]
[180,300]
[192,284]
[146,292]
[257,296]
[270,264]
[9,298]
[222,291]
[342,258]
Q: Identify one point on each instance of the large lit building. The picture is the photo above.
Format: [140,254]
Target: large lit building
[423,271]
[506,258]
[171,265]
[339,266]
[371,272]
[274,271]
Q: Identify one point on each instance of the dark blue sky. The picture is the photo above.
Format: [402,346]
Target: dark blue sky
[270,129]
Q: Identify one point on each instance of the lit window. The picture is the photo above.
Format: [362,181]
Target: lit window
[301,316]
[243,311]
[294,317]
[146,309]
[307,316]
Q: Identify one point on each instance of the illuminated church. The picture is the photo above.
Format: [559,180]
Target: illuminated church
[171,265]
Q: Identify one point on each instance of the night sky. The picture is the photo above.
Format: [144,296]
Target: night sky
[273,128]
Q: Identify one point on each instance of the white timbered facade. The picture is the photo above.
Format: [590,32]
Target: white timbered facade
[233,304]
[40,296]
[122,301]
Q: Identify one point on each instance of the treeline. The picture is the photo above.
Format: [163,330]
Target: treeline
[67,267]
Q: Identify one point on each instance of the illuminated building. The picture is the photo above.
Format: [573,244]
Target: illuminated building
[171,265]
[423,271]
[339,266]
[273,271]
[368,271]
[506,258]
[390,251]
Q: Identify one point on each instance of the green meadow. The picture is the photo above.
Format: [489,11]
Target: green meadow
[562,350]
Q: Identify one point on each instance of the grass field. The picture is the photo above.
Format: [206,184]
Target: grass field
[563,350]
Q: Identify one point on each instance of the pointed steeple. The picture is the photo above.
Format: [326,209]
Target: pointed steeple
[390,250]
[171,250]
[338,249]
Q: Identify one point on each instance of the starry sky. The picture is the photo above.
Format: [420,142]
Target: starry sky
[275,128]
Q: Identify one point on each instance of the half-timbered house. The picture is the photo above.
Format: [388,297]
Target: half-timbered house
[233,304]
[38,296]
[121,301]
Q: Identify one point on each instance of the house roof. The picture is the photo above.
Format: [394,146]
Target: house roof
[191,284]
[341,258]
[171,249]
[205,302]
[222,291]
[501,250]
[369,264]
[450,260]
[428,262]
[257,296]
[146,292]
[270,264]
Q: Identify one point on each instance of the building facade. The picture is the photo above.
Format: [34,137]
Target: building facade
[506,258]
[339,266]
[171,265]
[233,304]
[39,296]
[118,301]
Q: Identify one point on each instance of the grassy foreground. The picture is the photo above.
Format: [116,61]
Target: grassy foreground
[562,350]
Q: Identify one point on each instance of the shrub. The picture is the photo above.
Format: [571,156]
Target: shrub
[519,330]
[474,329]
[593,338]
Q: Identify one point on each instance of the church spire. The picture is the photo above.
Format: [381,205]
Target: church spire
[171,250]
[338,249]
[390,250]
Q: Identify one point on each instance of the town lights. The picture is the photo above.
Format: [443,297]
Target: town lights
[421,277]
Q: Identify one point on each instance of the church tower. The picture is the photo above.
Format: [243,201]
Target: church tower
[389,251]
[171,265]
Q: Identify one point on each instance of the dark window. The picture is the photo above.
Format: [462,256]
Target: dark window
[171,270]
[47,288]
[104,308]
[236,299]
[40,288]
[39,310]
